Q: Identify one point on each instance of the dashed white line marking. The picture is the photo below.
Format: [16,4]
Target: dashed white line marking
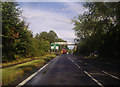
[71,59]
[93,79]
[77,65]
[80,61]
[111,75]
[85,63]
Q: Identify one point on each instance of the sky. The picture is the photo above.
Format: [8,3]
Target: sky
[56,16]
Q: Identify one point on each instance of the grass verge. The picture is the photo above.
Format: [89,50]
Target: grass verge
[21,60]
[13,74]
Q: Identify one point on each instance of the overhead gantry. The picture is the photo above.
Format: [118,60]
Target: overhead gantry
[60,45]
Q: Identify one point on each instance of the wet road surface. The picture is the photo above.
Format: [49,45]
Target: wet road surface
[71,70]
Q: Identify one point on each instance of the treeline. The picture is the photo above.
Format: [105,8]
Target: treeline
[17,40]
[98,29]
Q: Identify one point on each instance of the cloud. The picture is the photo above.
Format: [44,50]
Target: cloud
[74,7]
[44,20]
[47,15]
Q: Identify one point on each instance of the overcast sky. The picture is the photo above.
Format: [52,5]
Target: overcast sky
[45,16]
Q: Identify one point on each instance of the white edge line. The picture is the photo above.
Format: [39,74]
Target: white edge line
[111,75]
[94,79]
[30,77]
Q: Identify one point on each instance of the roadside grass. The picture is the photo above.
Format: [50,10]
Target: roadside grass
[15,73]
[22,60]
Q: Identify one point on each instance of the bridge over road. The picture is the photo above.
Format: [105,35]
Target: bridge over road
[60,45]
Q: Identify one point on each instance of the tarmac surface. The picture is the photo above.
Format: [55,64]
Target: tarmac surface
[73,70]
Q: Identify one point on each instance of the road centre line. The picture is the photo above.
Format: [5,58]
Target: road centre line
[80,61]
[30,77]
[70,59]
[103,71]
[77,59]
[111,75]
[77,65]
[90,76]
[85,63]
[74,62]
[93,79]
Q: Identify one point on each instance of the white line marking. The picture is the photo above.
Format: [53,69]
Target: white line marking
[30,77]
[93,79]
[80,61]
[71,59]
[77,59]
[77,65]
[111,75]
[85,63]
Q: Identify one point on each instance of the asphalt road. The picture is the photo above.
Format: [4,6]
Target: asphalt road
[72,70]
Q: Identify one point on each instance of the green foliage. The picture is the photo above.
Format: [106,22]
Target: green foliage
[14,73]
[60,40]
[99,29]
[51,36]
[10,29]
[17,40]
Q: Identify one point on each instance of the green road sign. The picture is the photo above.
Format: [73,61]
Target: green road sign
[54,46]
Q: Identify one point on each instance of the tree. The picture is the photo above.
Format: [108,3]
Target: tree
[17,40]
[15,36]
[10,23]
[99,27]
[44,35]
[60,40]
[52,36]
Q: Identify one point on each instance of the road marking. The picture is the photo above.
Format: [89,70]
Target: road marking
[30,77]
[70,59]
[107,63]
[85,63]
[77,59]
[77,65]
[93,79]
[80,61]
[111,75]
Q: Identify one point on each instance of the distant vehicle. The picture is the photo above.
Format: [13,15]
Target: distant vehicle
[63,51]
